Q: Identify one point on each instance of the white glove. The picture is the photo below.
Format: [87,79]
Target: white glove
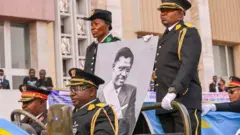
[147,38]
[167,100]
[208,107]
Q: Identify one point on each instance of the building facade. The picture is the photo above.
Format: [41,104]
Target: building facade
[217,22]
[26,38]
[71,37]
[49,34]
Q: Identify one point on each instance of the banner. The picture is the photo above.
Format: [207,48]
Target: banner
[215,97]
[207,97]
[59,97]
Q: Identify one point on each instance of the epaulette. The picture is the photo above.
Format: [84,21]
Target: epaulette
[101,105]
[93,106]
[178,26]
[188,25]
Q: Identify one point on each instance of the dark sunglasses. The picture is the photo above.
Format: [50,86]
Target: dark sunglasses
[231,91]
[79,88]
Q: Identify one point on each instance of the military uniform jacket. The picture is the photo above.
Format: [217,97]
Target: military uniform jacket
[37,128]
[230,107]
[177,66]
[92,53]
[82,120]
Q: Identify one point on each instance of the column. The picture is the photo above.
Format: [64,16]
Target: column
[42,48]
[201,19]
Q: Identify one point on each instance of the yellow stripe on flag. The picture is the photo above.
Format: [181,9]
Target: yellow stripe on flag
[205,124]
[4,132]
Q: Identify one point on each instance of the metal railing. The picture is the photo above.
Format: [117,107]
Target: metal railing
[181,108]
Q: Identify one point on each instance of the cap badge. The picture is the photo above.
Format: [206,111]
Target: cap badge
[92,12]
[73,72]
[24,88]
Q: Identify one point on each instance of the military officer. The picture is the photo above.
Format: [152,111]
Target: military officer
[101,25]
[234,96]
[176,68]
[34,101]
[90,116]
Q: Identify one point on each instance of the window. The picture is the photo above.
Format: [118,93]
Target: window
[16,81]
[20,46]
[223,60]
[2,48]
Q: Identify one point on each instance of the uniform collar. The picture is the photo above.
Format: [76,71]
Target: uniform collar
[104,38]
[171,27]
[87,104]
[84,110]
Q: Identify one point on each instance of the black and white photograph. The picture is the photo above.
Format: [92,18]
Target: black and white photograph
[127,73]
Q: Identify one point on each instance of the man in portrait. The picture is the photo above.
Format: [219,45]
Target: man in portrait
[118,93]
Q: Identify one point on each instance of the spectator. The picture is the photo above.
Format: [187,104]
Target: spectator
[4,83]
[234,97]
[45,81]
[31,79]
[213,85]
[222,87]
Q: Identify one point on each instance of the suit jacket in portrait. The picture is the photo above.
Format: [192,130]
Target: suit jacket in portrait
[178,68]
[127,99]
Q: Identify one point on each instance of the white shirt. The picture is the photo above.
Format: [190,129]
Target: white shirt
[171,27]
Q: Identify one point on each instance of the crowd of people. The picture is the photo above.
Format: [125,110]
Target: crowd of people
[218,85]
[31,79]
[43,81]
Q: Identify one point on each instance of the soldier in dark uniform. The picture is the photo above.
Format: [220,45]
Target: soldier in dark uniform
[176,68]
[34,101]
[234,96]
[101,25]
[90,116]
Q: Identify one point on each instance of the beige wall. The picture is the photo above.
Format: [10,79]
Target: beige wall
[225,20]
[150,17]
[27,9]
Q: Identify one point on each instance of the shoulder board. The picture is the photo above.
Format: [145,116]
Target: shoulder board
[101,105]
[91,107]
[188,25]
[178,26]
